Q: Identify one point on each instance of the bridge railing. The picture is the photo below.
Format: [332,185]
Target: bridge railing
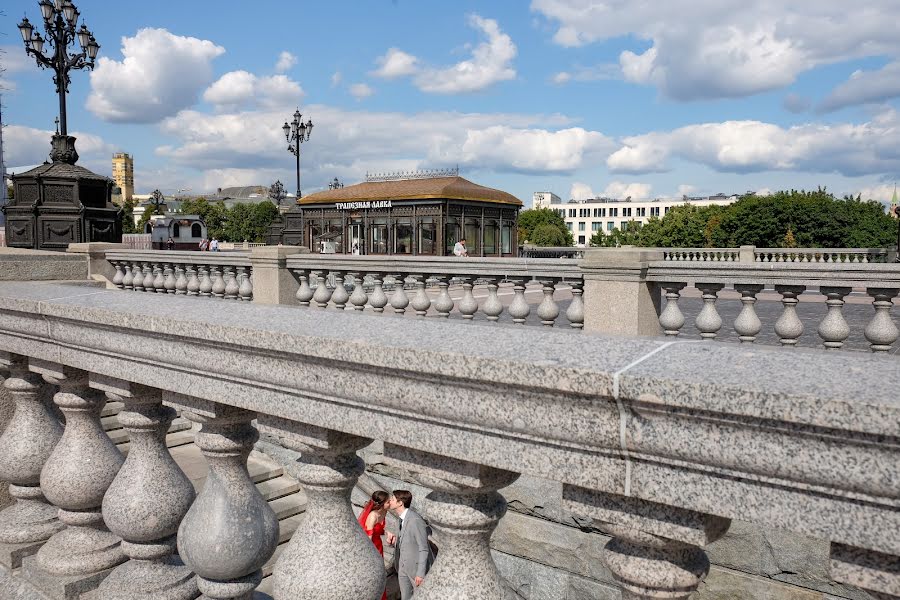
[658,443]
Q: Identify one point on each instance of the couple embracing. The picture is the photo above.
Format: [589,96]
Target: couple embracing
[412,554]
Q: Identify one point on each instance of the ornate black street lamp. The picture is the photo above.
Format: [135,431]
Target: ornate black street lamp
[277,193]
[60,18]
[157,201]
[335,185]
[296,133]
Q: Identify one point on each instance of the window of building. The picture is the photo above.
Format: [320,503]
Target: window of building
[176,230]
[626,212]
[571,212]
[473,237]
[451,235]
[596,212]
[569,225]
[614,212]
[379,238]
[506,239]
[667,209]
[581,239]
[427,238]
[581,226]
[610,225]
[623,226]
[196,230]
[490,238]
[596,226]
[403,234]
[148,228]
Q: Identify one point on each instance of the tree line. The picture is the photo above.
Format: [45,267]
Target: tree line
[786,219]
[241,222]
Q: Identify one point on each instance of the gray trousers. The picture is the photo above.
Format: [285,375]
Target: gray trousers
[407,586]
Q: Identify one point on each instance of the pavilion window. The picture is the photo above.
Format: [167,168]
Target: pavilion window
[490,238]
[403,237]
[473,237]
[196,230]
[427,237]
[176,230]
[451,235]
[335,230]
[506,239]
[379,238]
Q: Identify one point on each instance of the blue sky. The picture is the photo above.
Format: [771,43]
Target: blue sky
[579,97]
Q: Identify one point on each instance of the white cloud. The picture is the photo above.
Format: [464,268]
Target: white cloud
[491,62]
[796,103]
[499,142]
[727,48]
[747,146]
[882,192]
[532,150]
[336,79]
[685,189]
[30,146]
[865,87]
[160,74]
[361,90]
[619,189]
[286,60]
[561,78]
[581,191]
[238,89]
[598,72]
[396,63]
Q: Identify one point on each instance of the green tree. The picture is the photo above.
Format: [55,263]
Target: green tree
[214,214]
[148,212]
[10,191]
[531,219]
[683,226]
[128,225]
[547,234]
[631,235]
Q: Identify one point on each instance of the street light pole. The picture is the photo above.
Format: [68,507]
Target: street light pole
[296,133]
[60,18]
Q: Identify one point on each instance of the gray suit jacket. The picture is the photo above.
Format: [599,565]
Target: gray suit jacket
[413,552]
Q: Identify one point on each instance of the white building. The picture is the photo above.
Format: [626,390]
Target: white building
[586,217]
[545,199]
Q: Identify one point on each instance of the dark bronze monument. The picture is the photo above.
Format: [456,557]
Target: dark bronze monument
[59,203]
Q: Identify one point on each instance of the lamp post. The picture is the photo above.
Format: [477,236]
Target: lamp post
[60,18]
[276,193]
[296,133]
[157,200]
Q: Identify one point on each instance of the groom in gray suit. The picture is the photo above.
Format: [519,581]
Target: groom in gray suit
[412,556]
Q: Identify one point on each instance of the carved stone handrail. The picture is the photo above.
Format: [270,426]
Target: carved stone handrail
[661,442]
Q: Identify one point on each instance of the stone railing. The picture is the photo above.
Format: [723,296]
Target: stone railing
[312,270]
[800,255]
[205,274]
[660,444]
[881,283]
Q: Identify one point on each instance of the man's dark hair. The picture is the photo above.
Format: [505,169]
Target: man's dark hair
[404,496]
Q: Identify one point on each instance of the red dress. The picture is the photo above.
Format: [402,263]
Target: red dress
[375,535]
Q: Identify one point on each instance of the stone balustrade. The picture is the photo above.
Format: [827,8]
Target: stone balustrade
[747,254]
[205,274]
[659,443]
[353,272]
[880,282]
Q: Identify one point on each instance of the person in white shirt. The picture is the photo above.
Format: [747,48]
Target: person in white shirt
[460,248]
[214,245]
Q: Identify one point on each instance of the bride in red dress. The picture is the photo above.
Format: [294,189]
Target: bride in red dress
[372,520]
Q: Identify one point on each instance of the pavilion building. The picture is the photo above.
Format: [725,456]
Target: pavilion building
[416,214]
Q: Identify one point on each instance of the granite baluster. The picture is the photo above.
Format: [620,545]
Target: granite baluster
[193,284]
[323,293]
[75,478]
[218,282]
[708,321]
[206,281]
[548,309]
[789,327]
[128,279]
[881,332]
[377,299]
[492,307]
[399,299]
[230,530]
[181,281]
[575,312]
[169,278]
[420,302]
[656,551]
[358,298]
[518,308]
[159,281]
[339,297]
[464,508]
[468,306]
[26,444]
[245,290]
[119,278]
[330,557]
[304,292]
[747,324]
[231,285]
[834,328]
[146,501]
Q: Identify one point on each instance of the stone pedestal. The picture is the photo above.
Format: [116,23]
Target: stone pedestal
[618,298]
[272,281]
